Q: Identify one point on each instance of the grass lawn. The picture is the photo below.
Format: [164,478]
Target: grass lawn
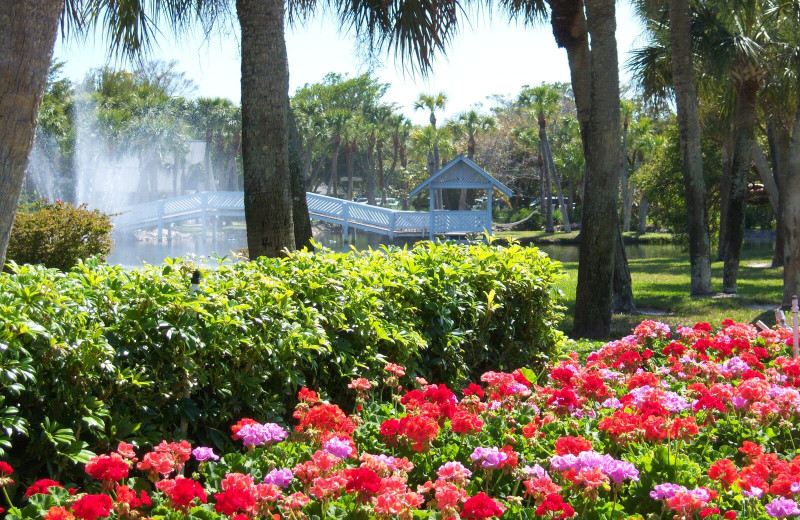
[662,285]
[541,237]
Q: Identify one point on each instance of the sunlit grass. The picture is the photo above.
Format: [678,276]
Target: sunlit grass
[662,285]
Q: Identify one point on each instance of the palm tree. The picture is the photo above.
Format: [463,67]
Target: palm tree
[27,35]
[545,99]
[432,102]
[336,120]
[595,84]
[626,108]
[469,124]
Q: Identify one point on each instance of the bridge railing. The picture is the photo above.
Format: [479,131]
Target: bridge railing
[339,211]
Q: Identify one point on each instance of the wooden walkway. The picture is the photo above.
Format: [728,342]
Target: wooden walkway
[200,206]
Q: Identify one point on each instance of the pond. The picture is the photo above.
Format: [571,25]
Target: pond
[132,252]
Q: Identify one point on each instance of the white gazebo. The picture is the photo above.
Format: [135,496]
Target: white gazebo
[458,174]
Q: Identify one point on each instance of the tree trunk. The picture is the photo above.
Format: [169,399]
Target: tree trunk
[685,85]
[349,161]
[551,167]
[593,304]
[548,196]
[381,176]
[542,192]
[643,206]
[623,171]
[623,286]
[370,170]
[627,197]
[791,217]
[737,199]
[462,195]
[337,145]
[265,140]
[301,220]
[724,195]
[779,150]
[27,35]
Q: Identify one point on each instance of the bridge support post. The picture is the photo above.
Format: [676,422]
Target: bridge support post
[392,221]
[433,215]
[345,222]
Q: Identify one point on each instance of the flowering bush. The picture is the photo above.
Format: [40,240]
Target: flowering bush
[687,425]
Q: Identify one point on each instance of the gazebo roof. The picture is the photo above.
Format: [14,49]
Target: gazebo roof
[461,173]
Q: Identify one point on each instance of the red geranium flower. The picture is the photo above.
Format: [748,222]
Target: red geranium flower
[362,480]
[41,487]
[6,469]
[108,468]
[481,506]
[92,507]
[232,501]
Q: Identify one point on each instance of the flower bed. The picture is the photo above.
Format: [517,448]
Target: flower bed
[693,424]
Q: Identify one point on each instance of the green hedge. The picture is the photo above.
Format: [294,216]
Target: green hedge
[102,354]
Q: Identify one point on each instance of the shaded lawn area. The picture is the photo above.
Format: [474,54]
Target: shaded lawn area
[542,237]
[662,285]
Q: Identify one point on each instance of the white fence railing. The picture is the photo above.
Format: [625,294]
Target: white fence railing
[348,214]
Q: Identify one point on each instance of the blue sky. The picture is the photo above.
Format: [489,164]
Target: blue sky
[489,56]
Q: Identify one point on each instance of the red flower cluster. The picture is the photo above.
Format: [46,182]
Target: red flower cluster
[554,503]
[108,468]
[42,487]
[92,507]
[481,506]
[182,492]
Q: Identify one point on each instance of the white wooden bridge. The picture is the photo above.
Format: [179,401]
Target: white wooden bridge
[461,173]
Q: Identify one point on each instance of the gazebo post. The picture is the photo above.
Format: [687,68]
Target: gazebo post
[433,218]
[489,206]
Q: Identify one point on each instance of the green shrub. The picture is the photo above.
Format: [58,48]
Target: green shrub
[58,235]
[103,354]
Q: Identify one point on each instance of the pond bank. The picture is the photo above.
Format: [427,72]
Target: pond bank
[573,237]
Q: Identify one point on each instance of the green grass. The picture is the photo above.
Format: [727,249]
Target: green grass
[662,285]
[541,237]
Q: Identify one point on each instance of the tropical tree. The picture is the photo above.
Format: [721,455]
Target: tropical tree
[545,100]
[468,125]
[27,35]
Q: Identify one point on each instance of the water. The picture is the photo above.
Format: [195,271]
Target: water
[131,252]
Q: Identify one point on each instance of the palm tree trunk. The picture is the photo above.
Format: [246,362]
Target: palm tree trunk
[337,144]
[381,175]
[349,159]
[551,167]
[265,139]
[462,195]
[643,206]
[724,194]
[627,196]
[779,141]
[370,170]
[623,175]
[548,197]
[300,218]
[623,286]
[27,36]
[791,217]
[685,85]
[542,191]
[737,199]
[593,304]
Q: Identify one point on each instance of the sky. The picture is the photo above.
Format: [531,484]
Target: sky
[490,56]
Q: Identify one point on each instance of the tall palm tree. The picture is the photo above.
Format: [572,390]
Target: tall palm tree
[432,102]
[735,37]
[469,124]
[27,35]
[545,100]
